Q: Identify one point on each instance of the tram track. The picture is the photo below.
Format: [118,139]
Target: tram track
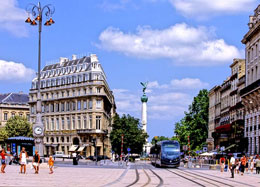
[204,177]
[148,177]
[158,176]
[137,178]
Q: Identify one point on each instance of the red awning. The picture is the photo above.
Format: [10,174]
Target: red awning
[224,128]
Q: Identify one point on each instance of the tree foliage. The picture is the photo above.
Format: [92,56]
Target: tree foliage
[194,123]
[134,137]
[159,138]
[3,135]
[18,126]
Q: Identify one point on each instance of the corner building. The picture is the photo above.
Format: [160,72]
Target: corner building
[251,93]
[77,106]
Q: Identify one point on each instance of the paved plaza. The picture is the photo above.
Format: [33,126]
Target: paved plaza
[138,174]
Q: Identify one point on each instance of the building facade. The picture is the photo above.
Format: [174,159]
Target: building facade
[226,112]
[77,106]
[250,94]
[13,104]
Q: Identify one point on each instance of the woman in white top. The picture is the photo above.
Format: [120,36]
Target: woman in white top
[252,165]
[23,160]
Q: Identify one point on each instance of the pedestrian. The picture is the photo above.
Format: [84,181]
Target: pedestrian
[36,162]
[226,165]
[237,166]
[232,165]
[252,165]
[257,165]
[3,154]
[222,163]
[51,164]
[247,160]
[243,164]
[22,158]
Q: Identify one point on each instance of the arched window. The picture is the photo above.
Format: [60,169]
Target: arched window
[53,82]
[79,78]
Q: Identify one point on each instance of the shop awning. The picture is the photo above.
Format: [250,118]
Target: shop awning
[81,148]
[73,148]
[223,128]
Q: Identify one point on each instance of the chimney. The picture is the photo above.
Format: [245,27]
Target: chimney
[74,57]
[93,58]
[62,60]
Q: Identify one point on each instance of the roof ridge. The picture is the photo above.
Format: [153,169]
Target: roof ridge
[7,97]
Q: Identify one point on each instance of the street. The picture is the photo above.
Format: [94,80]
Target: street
[135,174]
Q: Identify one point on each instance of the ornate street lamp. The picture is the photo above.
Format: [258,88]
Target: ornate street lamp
[35,17]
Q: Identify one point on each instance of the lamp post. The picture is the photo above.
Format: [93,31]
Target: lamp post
[36,12]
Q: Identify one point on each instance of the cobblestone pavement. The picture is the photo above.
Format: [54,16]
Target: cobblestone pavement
[138,174]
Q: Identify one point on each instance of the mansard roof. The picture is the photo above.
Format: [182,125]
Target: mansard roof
[67,63]
[14,98]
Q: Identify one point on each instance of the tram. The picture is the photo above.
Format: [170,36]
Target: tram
[165,153]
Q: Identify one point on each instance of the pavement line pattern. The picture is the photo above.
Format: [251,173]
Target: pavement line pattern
[149,178]
[119,178]
[186,178]
[207,181]
[136,178]
[161,180]
[226,179]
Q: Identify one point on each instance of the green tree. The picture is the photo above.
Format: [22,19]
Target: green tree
[134,137]
[194,123]
[3,135]
[159,138]
[18,126]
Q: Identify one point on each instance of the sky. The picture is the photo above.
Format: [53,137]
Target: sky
[178,46]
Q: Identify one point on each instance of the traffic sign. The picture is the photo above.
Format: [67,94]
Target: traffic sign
[128,149]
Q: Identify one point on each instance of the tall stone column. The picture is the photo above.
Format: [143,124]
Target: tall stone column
[245,125]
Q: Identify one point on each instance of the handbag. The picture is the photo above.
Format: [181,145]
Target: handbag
[10,163]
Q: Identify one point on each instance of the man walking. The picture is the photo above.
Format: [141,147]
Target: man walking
[257,165]
[36,162]
[232,165]
[243,164]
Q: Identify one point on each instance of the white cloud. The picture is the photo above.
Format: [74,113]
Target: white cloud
[113,5]
[12,18]
[183,44]
[12,71]
[165,101]
[204,9]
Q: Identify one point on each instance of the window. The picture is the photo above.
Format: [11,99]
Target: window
[13,114]
[85,105]
[62,107]
[62,94]
[85,91]
[90,104]
[57,107]
[47,124]
[21,114]
[28,117]
[85,122]
[62,123]
[73,105]
[90,90]
[57,124]
[73,123]
[68,106]
[32,109]
[52,107]
[98,104]
[57,139]
[5,116]
[68,123]
[47,139]
[62,140]
[73,93]
[90,121]
[68,140]
[68,93]
[52,123]
[79,122]
[79,105]
[47,108]
[98,90]
[78,92]
[98,122]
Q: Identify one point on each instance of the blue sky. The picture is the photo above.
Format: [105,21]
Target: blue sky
[179,46]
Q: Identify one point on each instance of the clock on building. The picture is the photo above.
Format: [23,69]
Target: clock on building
[38,130]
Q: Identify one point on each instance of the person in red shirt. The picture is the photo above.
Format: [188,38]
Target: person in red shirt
[222,163]
[3,162]
[243,164]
